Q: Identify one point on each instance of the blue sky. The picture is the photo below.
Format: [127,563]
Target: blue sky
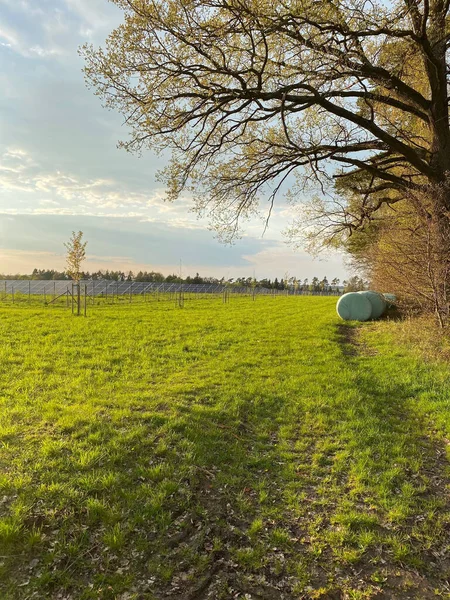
[60,169]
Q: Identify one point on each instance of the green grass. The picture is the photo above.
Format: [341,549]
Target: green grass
[218,450]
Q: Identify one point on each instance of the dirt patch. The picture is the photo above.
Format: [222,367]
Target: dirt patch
[352,344]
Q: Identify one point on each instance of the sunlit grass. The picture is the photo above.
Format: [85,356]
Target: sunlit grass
[245,446]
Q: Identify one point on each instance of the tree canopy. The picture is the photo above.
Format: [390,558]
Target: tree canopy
[247,92]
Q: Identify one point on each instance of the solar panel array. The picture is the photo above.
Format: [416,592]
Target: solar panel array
[103,287]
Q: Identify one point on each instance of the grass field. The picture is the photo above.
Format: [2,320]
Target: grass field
[244,450]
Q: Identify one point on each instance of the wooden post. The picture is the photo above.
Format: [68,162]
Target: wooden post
[85,298]
[72,299]
[179,298]
[54,290]
[78,299]
[67,297]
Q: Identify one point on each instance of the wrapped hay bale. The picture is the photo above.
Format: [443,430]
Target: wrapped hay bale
[378,302]
[354,307]
[391,299]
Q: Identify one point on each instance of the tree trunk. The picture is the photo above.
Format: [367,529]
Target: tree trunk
[436,68]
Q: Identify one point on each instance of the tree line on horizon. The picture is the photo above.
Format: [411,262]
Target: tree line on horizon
[315,284]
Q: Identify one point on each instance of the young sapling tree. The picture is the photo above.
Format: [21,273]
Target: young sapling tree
[76,254]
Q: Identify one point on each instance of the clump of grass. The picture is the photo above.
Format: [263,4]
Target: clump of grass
[114,537]
[255,528]
[10,530]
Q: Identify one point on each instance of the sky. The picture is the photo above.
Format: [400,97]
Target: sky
[61,170]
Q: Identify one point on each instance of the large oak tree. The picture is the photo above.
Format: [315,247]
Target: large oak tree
[247,92]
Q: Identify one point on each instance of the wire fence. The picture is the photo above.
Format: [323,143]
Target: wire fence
[107,288]
[78,297]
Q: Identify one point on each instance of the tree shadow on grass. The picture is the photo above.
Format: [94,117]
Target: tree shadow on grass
[158,504]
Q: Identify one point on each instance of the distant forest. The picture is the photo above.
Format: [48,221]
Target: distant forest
[284,282]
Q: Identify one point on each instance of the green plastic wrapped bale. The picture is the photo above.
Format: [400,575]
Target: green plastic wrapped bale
[391,299]
[377,301]
[354,307]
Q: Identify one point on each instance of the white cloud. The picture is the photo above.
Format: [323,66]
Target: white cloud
[42,32]
[82,211]
[16,153]
[48,202]
[294,263]
[24,6]
[10,37]
[56,23]
[45,52]
[95,14]
[19,171]
[62,193]
[13,40]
